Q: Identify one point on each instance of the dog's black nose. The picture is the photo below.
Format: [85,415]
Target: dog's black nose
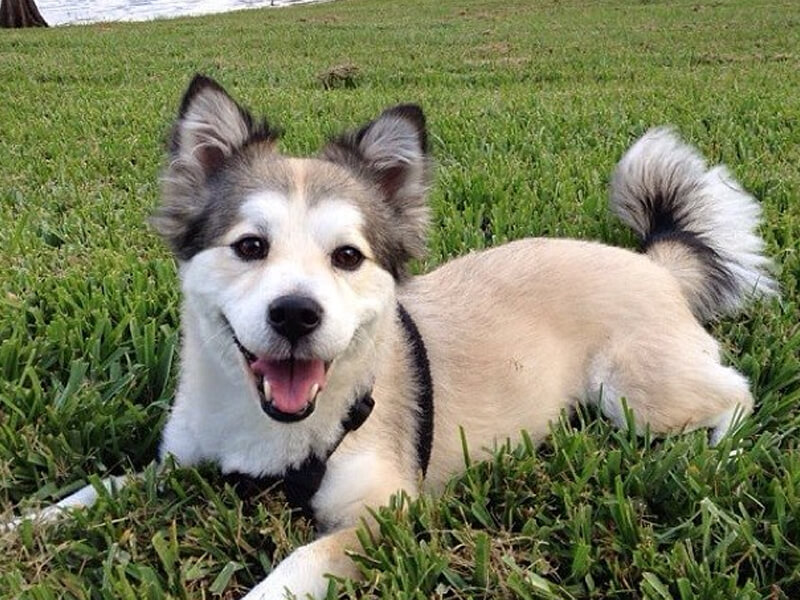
[294,316]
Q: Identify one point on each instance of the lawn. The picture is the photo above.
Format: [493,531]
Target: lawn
[530,103]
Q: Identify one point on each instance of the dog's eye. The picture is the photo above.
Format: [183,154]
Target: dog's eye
[347,258]
[251,248]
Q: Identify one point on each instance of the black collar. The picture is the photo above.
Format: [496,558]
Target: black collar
[301,483]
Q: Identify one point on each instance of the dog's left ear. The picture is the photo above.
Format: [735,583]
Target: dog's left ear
[392,153]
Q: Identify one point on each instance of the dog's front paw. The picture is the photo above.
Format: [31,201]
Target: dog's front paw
[45,515]
[300,576]
[304,573]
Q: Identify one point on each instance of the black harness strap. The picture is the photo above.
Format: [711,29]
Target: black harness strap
[301,483]
[424,392]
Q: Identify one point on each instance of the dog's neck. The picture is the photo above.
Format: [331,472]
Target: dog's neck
[217,415]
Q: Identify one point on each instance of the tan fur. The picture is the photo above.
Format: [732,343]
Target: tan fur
[511,347]
[519,333]
[683,264]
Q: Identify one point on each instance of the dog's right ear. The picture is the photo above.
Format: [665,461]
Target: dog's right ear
[211,126]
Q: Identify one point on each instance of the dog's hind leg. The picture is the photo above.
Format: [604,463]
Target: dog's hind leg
[672,382]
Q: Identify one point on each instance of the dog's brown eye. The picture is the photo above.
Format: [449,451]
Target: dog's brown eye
[347,258]
[251,248]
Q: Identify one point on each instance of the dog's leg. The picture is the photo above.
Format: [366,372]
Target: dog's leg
[357,478]
[672,381]
[83,498]
[304,571]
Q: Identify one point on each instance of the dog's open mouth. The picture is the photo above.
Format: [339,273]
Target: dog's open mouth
[288,388]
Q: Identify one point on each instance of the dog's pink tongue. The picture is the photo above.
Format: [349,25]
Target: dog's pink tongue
[291,381]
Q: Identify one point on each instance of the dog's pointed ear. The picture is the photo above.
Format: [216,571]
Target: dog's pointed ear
[209,129]
[211,126]
[391,152]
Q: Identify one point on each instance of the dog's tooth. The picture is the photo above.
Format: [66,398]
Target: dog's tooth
[267,389]
[314,391]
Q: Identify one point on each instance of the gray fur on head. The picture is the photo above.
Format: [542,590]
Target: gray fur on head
[391,154]
[210,129]
[215,147]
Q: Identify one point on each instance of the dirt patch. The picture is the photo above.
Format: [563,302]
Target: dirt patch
[345,75]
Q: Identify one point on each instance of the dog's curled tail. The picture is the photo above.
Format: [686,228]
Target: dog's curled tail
[696,221]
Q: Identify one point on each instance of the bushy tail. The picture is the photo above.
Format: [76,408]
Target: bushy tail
[697,222]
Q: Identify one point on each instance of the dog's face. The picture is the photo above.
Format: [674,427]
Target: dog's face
[290,260]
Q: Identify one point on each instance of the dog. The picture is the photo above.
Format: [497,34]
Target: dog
[311,356]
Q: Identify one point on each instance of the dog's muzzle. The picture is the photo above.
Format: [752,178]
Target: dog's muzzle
[287,388]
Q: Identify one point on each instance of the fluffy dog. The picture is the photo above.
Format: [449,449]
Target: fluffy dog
[309,355]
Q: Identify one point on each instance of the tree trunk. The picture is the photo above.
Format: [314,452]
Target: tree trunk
[20,13]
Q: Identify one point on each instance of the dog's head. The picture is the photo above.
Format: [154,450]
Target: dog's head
[292,260]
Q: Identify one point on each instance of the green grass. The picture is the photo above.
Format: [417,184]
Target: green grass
[530,104]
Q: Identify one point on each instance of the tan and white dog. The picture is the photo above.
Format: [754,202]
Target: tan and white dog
[310,355]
